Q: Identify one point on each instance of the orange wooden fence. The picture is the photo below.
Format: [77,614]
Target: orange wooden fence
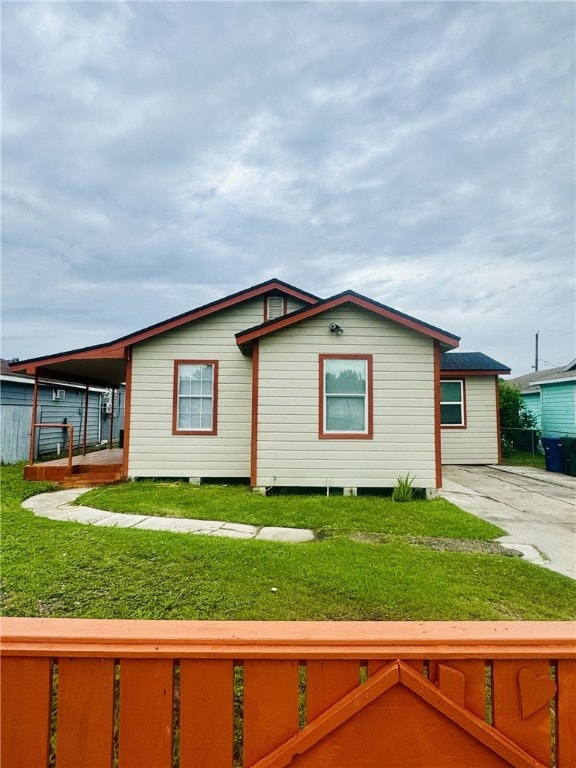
[82,693]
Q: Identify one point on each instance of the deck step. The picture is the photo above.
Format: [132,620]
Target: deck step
[95,469]
[79,481]
[103,474]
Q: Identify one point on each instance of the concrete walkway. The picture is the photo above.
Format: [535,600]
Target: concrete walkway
[58,506]
[535,507]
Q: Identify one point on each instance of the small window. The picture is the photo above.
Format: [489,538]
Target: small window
[275,307]
[452,403]
[345,398]
[195,391]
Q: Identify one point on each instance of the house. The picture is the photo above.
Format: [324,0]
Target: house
[550,395]
[279,387]
[57,403]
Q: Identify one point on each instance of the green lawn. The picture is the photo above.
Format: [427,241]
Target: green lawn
[524,459]
[327,515]
[67,569]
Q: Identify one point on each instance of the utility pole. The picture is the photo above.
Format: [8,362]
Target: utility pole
[535,366]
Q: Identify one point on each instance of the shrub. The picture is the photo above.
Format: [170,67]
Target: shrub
[403,491]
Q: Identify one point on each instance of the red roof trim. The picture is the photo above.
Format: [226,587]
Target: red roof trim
[219,305]
[245,337]
[116,348]
[105,352]
[455,374]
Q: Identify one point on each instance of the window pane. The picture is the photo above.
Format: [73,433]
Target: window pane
[184,413]
[195,396]
[450,392]
[451,414]
[345,376]
[345,414]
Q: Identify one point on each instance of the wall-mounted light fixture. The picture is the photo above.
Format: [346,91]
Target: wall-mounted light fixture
[335,328]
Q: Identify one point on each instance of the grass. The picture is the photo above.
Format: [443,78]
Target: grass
[71,570]
[524,459]
[328,515]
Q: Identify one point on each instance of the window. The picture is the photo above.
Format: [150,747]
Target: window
[452,411]
[345,396]
[195,393]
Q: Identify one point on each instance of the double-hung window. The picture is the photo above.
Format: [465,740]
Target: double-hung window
[452,405]
[195,397]
[346,396]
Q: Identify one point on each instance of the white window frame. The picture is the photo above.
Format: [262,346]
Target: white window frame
[367,397]
[461,403]
[178,397]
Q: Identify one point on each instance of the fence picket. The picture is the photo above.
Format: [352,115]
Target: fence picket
[529,729]
[328,681]
[146,701]
[270,706]
[85,713]
[206,713]
[25,704]
[474,671]
[566,714]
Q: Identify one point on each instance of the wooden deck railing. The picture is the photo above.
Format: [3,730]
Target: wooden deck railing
[163,694]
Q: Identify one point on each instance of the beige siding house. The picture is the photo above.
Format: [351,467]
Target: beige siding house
[278,387]
[477,440]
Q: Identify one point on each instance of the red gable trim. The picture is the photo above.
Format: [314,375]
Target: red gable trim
[217,306]
[118,347]
[244,338]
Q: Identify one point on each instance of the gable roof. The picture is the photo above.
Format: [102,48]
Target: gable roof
[529,383]
[245,339]
[105,364]
[472,363]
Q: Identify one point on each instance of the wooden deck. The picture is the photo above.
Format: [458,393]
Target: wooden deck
[96,468]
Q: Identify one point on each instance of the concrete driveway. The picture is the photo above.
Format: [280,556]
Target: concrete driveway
[535,507]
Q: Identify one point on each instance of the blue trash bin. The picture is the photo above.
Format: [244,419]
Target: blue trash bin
[554,457]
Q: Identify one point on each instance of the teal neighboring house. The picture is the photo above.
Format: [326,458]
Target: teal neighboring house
[550,396]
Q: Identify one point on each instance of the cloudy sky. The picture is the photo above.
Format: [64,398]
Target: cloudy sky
[160,155]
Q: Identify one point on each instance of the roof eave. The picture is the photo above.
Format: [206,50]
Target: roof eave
[119,348]
[474,372]
[245,339]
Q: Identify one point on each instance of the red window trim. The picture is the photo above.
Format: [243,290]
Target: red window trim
[464,408]
[214,430]
[369,434]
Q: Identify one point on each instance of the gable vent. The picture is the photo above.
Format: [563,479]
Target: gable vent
[274,307]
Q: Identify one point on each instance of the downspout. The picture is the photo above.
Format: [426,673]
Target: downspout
[254,427]
[437,416]
[127,407]
[33,422]
[86,394]
[99,419]
[111,438]
[498,437]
